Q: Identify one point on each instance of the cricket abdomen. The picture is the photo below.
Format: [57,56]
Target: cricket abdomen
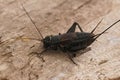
[77,41]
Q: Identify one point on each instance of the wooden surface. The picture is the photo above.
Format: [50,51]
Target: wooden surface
[102,62]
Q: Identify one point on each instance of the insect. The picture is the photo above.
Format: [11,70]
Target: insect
[71,41]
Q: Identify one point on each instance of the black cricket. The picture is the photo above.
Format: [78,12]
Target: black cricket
[70,41]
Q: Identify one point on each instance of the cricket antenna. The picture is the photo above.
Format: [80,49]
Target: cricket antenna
[40,35]
[98,35]
[96,26]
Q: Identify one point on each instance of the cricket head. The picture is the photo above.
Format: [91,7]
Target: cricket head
[47,41]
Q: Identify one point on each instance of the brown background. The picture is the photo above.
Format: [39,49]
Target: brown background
[53,17]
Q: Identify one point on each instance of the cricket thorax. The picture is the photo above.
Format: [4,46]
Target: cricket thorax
[50,41]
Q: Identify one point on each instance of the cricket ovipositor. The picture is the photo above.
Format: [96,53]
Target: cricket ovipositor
[70,41]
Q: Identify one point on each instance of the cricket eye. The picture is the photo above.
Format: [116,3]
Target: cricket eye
[47,39]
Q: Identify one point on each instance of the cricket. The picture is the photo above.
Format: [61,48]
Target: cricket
[70,41]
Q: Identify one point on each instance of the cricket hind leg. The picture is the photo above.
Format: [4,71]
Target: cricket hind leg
[71,58]
[73,27]
[72,55]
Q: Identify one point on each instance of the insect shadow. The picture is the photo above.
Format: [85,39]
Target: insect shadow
[71,41]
